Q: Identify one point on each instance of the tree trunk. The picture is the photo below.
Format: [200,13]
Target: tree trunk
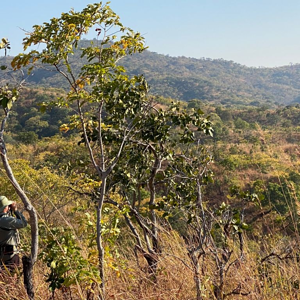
[99,237]
[27,270]
[155,244]
[195,261]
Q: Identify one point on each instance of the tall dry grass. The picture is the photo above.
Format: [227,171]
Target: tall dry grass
[269,269]
[263,273]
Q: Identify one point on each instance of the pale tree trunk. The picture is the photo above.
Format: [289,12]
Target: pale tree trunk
[195,262]
[156,167]
[99,238]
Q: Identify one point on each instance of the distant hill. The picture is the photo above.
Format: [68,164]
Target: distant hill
[218,81]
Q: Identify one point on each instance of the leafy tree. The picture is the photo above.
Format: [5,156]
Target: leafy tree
[27,137]
[62,255]
[109,104]
[241,124]
[149,161]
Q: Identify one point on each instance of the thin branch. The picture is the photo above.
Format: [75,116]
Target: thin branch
[134,230]
[237,291]
[273,254]
[180,259]
[88,145]
[65,75]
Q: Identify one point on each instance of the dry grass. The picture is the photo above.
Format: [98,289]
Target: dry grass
[278,277]
[269,270]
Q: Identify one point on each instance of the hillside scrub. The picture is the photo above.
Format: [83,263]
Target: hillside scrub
[266,165]
[262,166]
[266,270]
[136,198]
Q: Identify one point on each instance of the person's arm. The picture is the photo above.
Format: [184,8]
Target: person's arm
[19,221]
[12,222]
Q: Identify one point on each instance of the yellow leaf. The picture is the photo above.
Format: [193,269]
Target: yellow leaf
[64,128]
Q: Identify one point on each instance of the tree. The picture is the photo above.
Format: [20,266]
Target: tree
[108,104]
[164,135]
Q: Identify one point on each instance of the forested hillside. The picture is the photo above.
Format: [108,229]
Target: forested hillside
[182,78]
[28,124]
[217,81]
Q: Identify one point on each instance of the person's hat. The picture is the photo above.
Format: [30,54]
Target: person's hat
[4,202]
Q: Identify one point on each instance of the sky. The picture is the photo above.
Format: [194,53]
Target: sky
[255,33]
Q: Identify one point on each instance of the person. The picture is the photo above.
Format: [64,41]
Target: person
[9,235]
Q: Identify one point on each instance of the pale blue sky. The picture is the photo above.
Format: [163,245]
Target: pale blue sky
[249,32]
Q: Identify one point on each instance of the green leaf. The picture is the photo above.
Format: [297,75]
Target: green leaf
[245,226]
[4,101]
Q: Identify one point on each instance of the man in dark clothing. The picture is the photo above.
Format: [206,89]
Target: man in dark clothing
[9,236]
